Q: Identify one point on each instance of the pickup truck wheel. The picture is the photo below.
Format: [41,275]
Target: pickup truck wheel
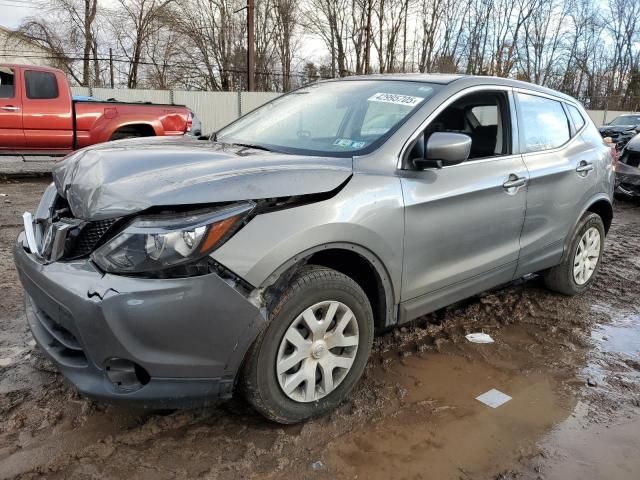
[579,267]
[314,349]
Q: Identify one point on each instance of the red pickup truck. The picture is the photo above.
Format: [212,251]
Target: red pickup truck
[39,116]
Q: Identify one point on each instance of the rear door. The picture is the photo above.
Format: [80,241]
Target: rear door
[11,130]
[47,111]
[562,175]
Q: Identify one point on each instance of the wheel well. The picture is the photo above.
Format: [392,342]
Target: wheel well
[138,130]
[605,211]
[357,267]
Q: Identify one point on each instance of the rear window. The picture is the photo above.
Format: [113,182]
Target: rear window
[576,116]
[7,82]
[41,85]
[544,123]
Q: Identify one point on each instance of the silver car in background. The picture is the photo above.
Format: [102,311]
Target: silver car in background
[174,272]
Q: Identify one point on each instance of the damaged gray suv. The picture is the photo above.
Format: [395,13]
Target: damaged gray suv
[174,272]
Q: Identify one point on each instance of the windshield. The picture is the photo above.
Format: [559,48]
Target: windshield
[626,120]
[339,118]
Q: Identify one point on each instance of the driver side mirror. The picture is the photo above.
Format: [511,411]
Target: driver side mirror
[443,149]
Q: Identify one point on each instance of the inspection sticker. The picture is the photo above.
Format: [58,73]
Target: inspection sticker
[348,143]
[407,100]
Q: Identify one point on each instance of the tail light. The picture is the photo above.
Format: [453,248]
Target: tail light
[189,122]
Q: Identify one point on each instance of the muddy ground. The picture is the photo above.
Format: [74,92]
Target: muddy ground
[571,366]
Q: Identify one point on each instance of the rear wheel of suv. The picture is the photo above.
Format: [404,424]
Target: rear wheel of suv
[578,269]
[314,349]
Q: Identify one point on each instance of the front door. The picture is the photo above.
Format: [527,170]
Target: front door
[11,130]
[463,222]
[47,111]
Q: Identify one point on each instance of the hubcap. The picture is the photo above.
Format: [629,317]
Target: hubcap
[317,351]
[587,254]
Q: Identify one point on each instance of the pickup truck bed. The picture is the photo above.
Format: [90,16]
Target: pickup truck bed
[38,115]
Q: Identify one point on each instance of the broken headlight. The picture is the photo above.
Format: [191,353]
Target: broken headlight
[156,242]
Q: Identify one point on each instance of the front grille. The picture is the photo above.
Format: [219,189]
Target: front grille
[89,236]
[61,236]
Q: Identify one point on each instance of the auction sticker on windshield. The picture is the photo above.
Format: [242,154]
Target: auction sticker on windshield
[396,98]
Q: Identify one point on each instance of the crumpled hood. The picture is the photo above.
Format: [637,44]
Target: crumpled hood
[124,177]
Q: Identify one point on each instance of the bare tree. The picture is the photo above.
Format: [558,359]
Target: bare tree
[286,18]
[66,27]
[133,23]
[587,48]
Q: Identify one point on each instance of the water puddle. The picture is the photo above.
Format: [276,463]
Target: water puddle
[576,449]
[622,336]
[441,430]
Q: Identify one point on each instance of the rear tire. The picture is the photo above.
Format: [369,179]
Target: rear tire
[578,269]
[321,328]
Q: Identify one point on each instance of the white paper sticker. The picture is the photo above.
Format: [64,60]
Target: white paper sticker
[479,338]
[493,398]
[395,98]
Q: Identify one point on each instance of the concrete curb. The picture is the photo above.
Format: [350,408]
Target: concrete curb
[15,167]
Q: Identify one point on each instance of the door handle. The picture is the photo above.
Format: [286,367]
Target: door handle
[10,108]
[584,167]
[514,182]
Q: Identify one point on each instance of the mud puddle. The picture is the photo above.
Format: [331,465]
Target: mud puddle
[442,431]
[601,437]
[622,336]
[577,449]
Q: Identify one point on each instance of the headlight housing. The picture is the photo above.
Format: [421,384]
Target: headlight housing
[157,242]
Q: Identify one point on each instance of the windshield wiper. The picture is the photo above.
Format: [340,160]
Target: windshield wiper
[250,145]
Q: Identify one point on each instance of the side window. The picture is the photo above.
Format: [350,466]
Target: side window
[576,116]
[41,85]
[7,82]
[483,116]
[544,124]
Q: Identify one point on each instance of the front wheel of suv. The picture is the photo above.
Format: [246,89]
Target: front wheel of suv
[579,267]
[314,349]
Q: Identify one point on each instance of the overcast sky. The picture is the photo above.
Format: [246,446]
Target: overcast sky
[312,48]
[11,16]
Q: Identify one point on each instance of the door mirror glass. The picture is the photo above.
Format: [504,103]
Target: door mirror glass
[444,149]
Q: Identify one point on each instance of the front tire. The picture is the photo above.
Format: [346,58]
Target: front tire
[578,269]
[314,349]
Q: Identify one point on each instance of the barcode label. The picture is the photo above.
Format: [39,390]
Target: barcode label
[395,98]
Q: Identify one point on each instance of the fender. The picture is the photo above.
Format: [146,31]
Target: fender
[592,201]
[108,129]
[300,259]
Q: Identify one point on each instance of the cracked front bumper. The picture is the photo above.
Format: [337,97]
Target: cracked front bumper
[189,334]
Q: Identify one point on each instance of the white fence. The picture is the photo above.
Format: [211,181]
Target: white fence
[217,109]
